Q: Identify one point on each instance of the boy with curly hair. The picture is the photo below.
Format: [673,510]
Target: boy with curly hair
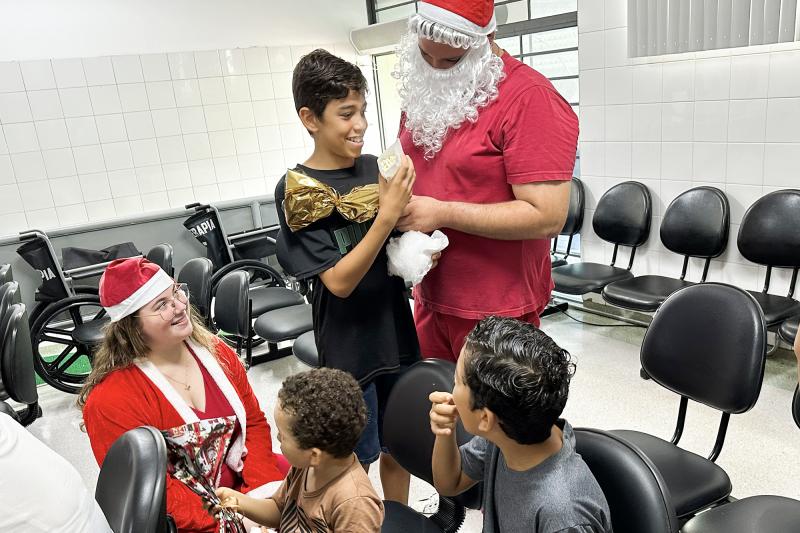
[320,415]
[511,385]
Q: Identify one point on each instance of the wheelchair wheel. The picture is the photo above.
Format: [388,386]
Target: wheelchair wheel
[260,275]
[37,310]
[64,335]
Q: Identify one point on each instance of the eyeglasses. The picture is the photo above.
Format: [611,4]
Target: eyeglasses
[166,308]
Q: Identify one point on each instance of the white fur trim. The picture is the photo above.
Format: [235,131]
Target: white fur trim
[154,374]
[143,295]
[237,450]
[454,21]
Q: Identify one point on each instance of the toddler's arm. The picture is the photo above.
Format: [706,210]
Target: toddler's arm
[265,512]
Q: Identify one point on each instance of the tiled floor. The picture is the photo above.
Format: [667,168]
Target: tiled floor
[760,454]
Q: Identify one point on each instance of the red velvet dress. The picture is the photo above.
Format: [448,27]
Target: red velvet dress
[127,399]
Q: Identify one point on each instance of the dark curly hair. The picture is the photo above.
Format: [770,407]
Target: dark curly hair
[326,408]
[514,369]
[320,77]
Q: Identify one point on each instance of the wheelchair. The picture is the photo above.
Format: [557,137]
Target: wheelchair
[67,320]
[268,289]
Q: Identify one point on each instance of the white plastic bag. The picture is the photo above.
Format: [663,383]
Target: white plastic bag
[390,160]
[410,255]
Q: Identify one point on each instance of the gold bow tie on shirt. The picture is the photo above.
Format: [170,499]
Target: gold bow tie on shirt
[307,200]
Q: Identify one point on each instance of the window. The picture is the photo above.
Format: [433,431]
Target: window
[674,26]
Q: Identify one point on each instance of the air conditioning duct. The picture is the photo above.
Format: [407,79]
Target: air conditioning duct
[385,36]
[378,38]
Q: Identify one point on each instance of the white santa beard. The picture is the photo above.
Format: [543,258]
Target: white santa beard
[436,100]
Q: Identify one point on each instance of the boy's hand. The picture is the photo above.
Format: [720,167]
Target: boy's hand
[395,194]
[443,414]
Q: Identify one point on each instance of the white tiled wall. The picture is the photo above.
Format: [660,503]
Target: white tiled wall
[726,118]
[90,139]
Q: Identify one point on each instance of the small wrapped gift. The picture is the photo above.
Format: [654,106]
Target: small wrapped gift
[195,455]
[390,160]
[411,255]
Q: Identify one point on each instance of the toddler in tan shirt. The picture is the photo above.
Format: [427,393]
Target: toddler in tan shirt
[320,415]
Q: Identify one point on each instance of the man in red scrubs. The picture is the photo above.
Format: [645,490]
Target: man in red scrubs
[493,145]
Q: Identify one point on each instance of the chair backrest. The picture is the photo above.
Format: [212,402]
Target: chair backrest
[796,406]
[637,496]
[5,273]
[623,214]
[132,485]
[406,421]
[196,273]
[17,375]
[161,254]
[697,222]
[577,203]
[9,295]
[708,343]
[768,234]
[231,304]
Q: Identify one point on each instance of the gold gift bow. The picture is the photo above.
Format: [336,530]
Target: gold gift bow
[307,200]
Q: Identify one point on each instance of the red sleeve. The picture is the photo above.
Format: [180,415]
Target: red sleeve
[260,464]
[106,417]
[540,133]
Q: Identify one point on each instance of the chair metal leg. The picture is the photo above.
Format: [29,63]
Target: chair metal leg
[774,347]
[28,415]
[248,354]
[553,309]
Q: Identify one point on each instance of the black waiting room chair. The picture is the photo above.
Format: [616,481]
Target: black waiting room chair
[406,431]
[305,349]
[233,311]
[636,493]
[573,223]
[707,343]
[756,514]
[285,324]
[622,217]
[6,274]
[161,254]
[769,236]
[196,274]
[572,227]
[17,375]
[132,485]
[788,330]
[695,224]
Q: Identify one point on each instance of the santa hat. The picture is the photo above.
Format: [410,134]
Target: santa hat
[127,285]
[471,17]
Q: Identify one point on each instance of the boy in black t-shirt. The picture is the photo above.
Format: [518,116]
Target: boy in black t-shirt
[336,214]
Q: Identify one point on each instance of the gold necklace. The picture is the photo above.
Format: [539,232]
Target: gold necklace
[185,385]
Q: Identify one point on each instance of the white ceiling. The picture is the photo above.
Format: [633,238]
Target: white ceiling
[38,29]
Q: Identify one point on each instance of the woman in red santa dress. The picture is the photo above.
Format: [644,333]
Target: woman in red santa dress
[158,366]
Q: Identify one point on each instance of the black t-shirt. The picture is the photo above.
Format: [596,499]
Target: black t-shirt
[371,331]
